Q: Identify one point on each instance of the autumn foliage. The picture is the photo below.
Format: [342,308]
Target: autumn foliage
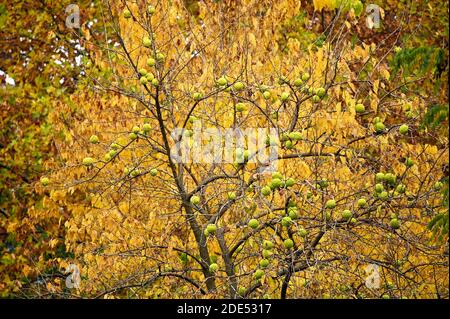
[356,205]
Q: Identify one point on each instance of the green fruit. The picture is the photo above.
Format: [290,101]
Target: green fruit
[320,92]
[263,263]
[213,258]
[298,82]
[438,186]
[151,62]
[258,274]
[155,82]
[149,76]
[135,172]
[143,72]
[147,42]
[395,224]
[403,129]
[401,188]
[290,182]
[143,80]
[292,214]
[305,76]
[211,228]
[362,202]
[88,161]
[206,233]
[266,95]
[231,195]
[253,223]
[126,14]
[289,145]
[360,108]
[383,195]
[380,177]
[238,86]
[45,181]
[267,245]
[327,216]
[213,267]
[303,232]
[153,171]
[146,127]
[330,204]
[266,190]
[286,221]
[346,214]
[242,291]
[323,183]
[353,220]
[316,99]
[160,57]
[275,183]
[151,9]
[240,107]
[266,253]
[93,139]
[295,136]
[135,129]
[283,80]
[376,120]
[390,178]
[288,243]
[379,127]
[379,188]
[197,96]
[126,170]
[222,81]
[285,96]
[277,175]
[132,136]
[107,157]
[409,162]
[195,200]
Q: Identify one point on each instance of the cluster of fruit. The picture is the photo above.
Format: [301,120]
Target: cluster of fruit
[278,181]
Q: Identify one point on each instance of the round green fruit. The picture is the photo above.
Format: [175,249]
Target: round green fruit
[266,253]
[263,263]
[303,232]
[275,183]
[383,195]
[126,14]
[213,267]
[395,224]
[379,127]
[409,162]
[222,81]
[195,200]
[211,228]
[289,145]
[286,221]
[316,99]
[231,195]
[238,86]
[242,291]
[160,57]
[288,243]
[266,95]
[132,136]
[266,190]
[88,161]
[298,82]
[93,139]
[45,181]
[330,204]
[258,274]
[146,128]
[347,214]
[143,80]
[267,244]
[360,108]
[380,177]
[151,9]
[147,42]
[403,129]
[295,136]
[197,96]
[390,178]
[151,62]
[285,96]
[379,188]
[154,172]
[253,223]
[240,107]
[305,76]
[320,92]
[362,203]
[290,182]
